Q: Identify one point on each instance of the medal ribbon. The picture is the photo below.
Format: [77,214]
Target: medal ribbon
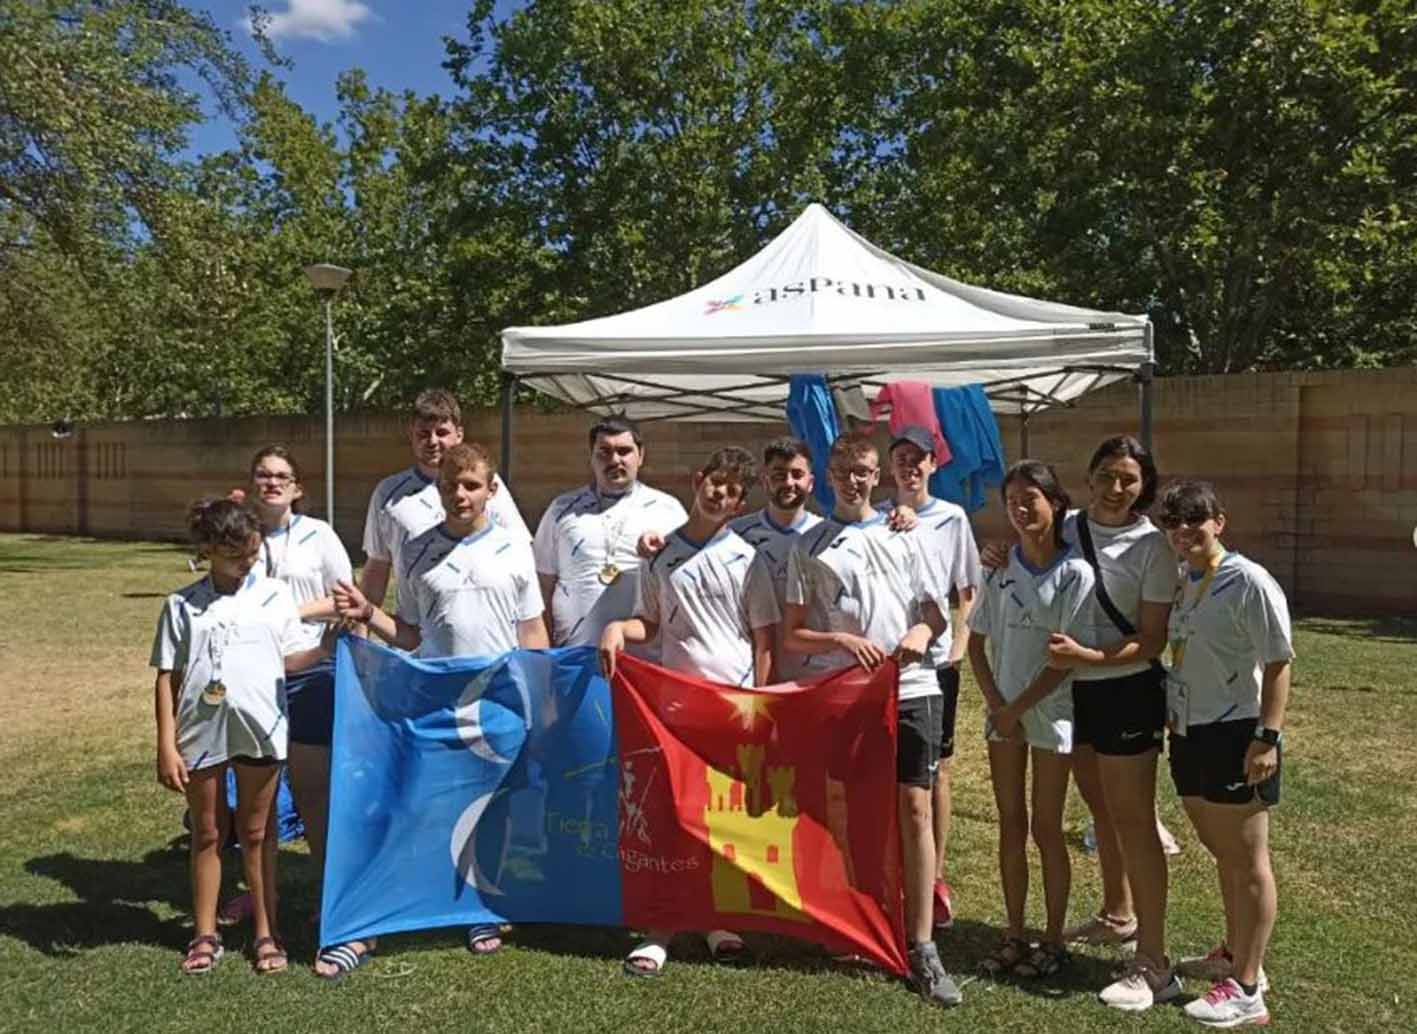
[1178,649]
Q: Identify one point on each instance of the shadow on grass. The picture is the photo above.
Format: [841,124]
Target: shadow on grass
[115,905]
[1393,629]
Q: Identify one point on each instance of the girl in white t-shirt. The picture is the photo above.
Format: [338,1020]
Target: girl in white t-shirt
[305,553]
[1226,696]
[1119,707]
[222,649]
[1044,591]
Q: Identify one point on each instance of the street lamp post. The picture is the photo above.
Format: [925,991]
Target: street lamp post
[327,281]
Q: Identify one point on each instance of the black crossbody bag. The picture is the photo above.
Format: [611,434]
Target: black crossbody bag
[1119,619]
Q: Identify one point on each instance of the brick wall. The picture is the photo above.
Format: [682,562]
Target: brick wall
[1319,470]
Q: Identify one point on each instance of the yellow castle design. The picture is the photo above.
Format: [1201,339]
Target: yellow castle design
[753,844]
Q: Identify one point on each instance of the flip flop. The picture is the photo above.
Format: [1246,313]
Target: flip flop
[345,960]
[646,960]
[726,947]
[484,939]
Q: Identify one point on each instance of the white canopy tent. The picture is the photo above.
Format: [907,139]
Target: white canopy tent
[822,299]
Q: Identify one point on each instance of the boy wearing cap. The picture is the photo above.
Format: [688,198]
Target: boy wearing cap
[947,540]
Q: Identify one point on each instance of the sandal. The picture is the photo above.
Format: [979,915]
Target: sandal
[647,959]
[1046,960]
[345,958]
[1006,955]
[267,962]
[726,947]
[198,961]
[484,939]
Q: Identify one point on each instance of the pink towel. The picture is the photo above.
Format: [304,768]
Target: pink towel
[912,402]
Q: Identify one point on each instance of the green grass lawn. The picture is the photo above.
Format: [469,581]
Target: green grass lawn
[94,893]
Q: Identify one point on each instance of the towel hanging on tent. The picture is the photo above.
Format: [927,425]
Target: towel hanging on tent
[910,404]
[977,464]
[812,417]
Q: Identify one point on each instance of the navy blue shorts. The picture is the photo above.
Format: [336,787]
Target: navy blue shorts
[310,704]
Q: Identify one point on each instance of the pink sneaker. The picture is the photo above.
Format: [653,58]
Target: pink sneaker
[1227,1005]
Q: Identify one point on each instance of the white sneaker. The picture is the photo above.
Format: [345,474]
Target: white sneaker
[1216,965]
[1143,985]
[1226,1005]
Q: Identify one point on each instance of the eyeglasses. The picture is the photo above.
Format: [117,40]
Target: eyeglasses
[273,478]
[1193,519]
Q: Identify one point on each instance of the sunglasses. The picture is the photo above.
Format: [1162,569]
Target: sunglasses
[1190,519]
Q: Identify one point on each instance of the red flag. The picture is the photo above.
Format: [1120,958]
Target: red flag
[770,810]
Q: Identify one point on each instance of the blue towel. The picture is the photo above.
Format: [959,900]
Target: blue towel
[977,460]
[812,416]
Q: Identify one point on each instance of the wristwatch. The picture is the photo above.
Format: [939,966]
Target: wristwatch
[1266,735]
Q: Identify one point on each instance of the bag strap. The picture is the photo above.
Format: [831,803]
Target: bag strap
[1100,588]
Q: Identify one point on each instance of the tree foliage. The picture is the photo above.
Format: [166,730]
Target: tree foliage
[1242,172]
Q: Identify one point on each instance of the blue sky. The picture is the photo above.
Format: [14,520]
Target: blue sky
[399,43]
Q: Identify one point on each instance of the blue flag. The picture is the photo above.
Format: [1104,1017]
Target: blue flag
[470,790]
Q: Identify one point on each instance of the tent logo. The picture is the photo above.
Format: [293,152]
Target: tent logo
[723,305]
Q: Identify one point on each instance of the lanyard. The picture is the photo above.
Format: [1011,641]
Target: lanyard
[1178,648]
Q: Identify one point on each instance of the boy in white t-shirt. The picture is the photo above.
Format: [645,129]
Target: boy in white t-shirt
[948,540]
[406,504]
[711,595]
[468,588]
[858,592]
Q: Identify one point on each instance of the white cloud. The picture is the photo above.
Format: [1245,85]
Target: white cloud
[325,20]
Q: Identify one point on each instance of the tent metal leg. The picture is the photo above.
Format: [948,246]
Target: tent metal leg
[1023,435]
[509,394]
[1145,376]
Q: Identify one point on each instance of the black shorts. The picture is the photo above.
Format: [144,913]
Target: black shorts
[917,742]
[1122,716]
[1209,762]
[948,679]
[310,705]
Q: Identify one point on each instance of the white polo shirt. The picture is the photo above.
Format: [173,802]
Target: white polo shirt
[1019,607]
[580,533]
[1138,565]
[869,581]
[307,556]
[947,541]
[707,598]
[773,543]
[238,641]
[406,504]
[467,595]
[1240,625]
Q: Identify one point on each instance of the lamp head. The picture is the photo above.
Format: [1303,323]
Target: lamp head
[326,278]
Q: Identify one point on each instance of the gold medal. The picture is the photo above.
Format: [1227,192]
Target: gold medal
[215,693]
[608,574]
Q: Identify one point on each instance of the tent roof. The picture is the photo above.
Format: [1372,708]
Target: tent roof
[821,298]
